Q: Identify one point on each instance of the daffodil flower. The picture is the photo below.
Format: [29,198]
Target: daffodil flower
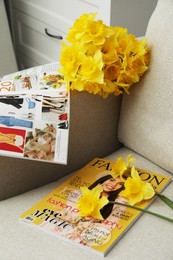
[120,166]
[102,59]
[90,202]
[137,190]
[91,68]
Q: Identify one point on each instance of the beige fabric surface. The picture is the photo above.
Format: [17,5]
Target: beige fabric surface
[93,132]
[146,122]
[148,238]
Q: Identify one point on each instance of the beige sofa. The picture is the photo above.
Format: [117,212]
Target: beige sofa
[143,128]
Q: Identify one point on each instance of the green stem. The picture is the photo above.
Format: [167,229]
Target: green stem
[143,210]
[165,199]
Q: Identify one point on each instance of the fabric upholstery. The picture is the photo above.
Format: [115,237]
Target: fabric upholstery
[146,122]
[149,237]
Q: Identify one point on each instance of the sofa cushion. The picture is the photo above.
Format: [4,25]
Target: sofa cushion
[19,241]
[146,122]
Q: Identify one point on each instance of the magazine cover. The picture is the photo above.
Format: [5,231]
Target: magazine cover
[59,214]
[34,121]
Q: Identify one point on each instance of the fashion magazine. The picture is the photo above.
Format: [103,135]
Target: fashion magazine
[58,214]
[34,121]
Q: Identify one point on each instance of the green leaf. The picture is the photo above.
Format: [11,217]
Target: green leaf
[144,210]
[166,200]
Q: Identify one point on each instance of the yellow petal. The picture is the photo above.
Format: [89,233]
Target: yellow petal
[148,191]
[90,203]
[135,174]
[102,202]
[97,190]
[130,159]
[134,199]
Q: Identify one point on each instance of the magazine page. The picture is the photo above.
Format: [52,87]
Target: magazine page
[34,121]
[58,214]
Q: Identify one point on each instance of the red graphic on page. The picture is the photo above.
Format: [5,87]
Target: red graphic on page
[12,140]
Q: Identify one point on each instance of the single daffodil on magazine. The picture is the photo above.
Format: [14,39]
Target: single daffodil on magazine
[90,202]
[136,190]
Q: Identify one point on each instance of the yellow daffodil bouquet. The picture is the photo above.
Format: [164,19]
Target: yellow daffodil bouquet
[135,191]
[102,59]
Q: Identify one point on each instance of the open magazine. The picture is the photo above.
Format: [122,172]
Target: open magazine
[58,214]
[34,120]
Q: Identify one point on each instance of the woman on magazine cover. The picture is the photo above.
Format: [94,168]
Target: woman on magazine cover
[111,189]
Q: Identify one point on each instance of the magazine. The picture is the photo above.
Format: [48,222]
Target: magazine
[58,214]
[34,121]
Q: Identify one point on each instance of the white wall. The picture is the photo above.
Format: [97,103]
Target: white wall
[132,14]
[7,58]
